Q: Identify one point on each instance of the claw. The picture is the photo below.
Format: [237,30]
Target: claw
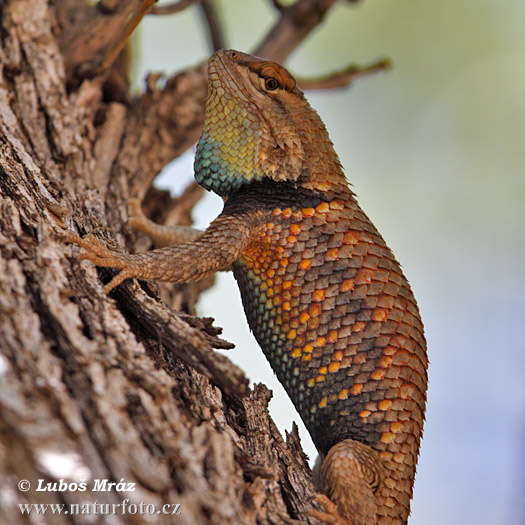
[329,515]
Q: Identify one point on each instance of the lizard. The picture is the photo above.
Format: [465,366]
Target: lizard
[323,294]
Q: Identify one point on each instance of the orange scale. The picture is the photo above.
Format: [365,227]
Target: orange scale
[306,357]
[357,327]
[396,427]
[296,352]
[387,437]
[406,390]
[332,337]
[347,285]
[398,458]
[287,213]
[307,212]
[338,355]
[333,367]
[351,237]
[332,254]
[337,204]
[305,264]
[385,362]
[380,314]
[343,394]
[324,185]
[295,229]
[384,405]
[364,276]
[378,374]
[323,207]
[292,239]
[390,350]
[356,389]
[318,295]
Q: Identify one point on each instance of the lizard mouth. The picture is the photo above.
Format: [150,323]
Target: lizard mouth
[222,74]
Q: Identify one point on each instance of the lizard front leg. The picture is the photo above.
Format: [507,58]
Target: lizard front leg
[214,250]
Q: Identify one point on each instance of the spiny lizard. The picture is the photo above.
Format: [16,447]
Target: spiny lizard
[323,294]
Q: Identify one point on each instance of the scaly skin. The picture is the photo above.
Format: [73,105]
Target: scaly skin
[323,294]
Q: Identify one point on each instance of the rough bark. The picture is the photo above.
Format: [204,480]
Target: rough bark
[121,387]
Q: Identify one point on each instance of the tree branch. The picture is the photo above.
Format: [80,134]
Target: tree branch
[211,20]
[344,77]
[296,22]
[170,9]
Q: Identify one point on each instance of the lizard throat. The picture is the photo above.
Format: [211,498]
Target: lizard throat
[223,166]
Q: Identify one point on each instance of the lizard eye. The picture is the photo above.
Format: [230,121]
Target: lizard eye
[272,84]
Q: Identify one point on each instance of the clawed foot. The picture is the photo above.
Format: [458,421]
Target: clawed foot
[100,255]
[329,514]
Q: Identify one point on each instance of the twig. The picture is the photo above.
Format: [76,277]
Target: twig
[344,77]
[192,345]
[211,19]
[115,50]
[294,25]
[170,9]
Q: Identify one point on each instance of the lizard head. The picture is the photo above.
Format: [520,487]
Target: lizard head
[258,125]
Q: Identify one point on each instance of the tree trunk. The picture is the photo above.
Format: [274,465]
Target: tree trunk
[123,389]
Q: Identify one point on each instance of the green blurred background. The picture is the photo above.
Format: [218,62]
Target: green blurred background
[435,150]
